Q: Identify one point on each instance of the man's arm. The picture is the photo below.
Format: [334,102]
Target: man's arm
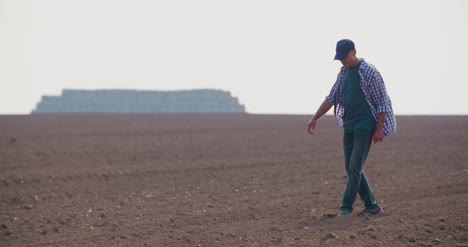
[380,97]
[379,93]
[324,108]
[379,131]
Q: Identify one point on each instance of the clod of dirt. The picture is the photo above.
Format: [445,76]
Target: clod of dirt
[3,226]
[329,215]
[329,235]
[428,230]
[426,244]
[5,182]
[275,229]
[27,206]
[253,217]
[352,236]
[278,240]
[367,229]
[442,219]
[436,240]
[102,215]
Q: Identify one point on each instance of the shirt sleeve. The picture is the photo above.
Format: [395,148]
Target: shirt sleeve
[331,98]
[379,93]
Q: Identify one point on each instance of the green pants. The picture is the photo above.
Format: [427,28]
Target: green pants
[356,144]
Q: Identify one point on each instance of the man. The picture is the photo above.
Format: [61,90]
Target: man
[363,108]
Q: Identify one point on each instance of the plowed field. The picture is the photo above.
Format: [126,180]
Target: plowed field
[225,180]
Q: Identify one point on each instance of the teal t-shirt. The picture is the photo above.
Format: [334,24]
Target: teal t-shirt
[357,114]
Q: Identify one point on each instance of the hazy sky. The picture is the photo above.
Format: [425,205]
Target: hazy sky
[276,56]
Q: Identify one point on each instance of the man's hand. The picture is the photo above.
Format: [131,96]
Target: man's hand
[311,126]
[324,107]
[378,135]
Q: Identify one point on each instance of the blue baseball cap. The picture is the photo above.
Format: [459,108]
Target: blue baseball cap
[343,47]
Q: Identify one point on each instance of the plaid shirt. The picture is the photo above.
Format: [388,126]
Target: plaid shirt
[373,87]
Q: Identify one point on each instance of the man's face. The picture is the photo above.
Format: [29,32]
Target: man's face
[348,62]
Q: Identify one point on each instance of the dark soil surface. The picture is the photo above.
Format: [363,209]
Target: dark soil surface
[225,180]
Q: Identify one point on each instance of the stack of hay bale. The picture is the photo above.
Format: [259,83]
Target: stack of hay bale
[135,101]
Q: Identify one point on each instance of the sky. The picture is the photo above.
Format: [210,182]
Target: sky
[275,56]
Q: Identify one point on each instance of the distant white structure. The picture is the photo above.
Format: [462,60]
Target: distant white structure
[135,101]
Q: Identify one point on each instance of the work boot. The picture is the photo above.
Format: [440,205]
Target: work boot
[344,214]
[372,212]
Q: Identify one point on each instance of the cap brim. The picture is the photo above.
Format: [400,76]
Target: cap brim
[340,56]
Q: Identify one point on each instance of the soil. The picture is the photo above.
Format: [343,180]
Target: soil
[225,180]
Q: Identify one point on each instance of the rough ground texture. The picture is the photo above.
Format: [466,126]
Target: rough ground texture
[224,180]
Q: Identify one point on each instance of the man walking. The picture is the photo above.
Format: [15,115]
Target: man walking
[363,107]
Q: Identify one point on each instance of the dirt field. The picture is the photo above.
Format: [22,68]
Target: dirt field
[224,180]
